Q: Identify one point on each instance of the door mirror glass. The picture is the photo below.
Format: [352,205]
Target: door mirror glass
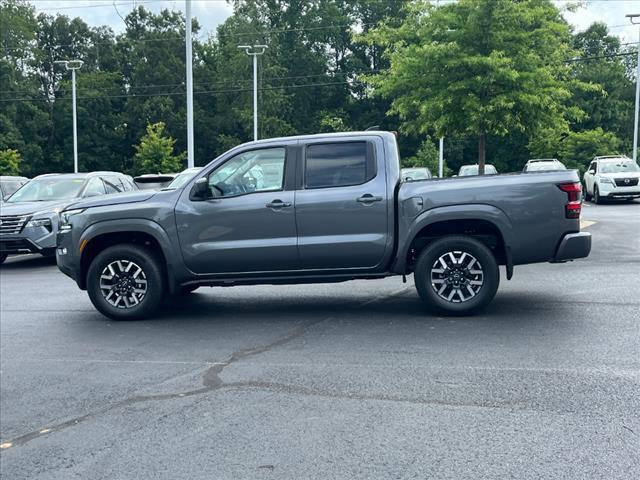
[592,172]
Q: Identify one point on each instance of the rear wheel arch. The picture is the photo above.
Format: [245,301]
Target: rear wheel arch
[484,230]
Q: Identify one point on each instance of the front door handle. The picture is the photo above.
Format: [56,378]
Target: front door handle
[277,204]
[368,198]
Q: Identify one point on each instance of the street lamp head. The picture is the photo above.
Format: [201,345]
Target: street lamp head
[70,64]
[633,18]
[244,47]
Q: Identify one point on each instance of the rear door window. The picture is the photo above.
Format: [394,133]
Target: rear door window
[338,165]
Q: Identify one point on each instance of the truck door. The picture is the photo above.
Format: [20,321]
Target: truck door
[342,204]
[247,224]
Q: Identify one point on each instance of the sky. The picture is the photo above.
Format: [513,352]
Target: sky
[210,13]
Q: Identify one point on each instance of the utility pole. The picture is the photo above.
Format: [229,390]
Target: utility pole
[441,158]
[73,65]
[634,18]
[189,63]
[254,51]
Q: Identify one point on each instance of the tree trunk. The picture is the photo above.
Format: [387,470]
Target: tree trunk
[481,152]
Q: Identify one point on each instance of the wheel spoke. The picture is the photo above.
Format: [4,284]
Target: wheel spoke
[123,284]
[452,280]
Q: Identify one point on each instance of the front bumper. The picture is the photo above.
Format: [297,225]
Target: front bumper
[27,243]
[608,190]
[572,246]
[68,262]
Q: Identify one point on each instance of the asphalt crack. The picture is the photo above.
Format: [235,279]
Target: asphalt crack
[211,381]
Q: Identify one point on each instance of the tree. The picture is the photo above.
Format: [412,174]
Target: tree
[477,67]
[579,148]
[154,154]
[427,156]
[9,162]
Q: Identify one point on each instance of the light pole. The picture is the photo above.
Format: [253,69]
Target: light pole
[254,51]
[633,17]
[189,63]
[73,65]
[441,158]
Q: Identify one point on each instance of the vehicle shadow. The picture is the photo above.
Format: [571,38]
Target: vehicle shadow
[24,262]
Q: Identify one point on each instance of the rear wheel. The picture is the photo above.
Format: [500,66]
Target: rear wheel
[125,282]
[457,275]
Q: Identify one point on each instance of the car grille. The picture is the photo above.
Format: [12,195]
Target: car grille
[626,182]
[17,246]
[12,224]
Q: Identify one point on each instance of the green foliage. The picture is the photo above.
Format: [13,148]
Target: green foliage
[577,149]
[477,67]
[154,154]
[494,69]
[428,156]
[9,162]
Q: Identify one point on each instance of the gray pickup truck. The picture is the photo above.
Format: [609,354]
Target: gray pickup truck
[319,208]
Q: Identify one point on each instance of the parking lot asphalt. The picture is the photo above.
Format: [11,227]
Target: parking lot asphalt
[350,380]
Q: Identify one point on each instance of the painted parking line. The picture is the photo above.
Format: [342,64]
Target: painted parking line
[586,223]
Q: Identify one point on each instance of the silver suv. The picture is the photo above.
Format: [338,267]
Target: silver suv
[29,217]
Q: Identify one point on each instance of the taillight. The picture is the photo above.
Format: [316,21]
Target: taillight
[574,195]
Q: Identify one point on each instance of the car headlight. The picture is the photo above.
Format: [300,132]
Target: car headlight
[606,180]
[65,218]
[40,222]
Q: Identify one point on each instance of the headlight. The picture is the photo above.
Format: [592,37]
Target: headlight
[65,218]
[606,180]
[40,222]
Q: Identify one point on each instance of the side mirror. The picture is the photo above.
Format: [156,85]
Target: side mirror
[200,190]
[92,194]
[592,172]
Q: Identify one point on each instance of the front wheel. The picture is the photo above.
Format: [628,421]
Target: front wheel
[457,275]
[596,195]
[125,282]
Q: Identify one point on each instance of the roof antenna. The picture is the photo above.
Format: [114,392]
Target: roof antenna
[373,128]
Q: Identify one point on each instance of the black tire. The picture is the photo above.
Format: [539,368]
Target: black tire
[3,257]
[587,196]
[596,195]
[458,245]
[152,273]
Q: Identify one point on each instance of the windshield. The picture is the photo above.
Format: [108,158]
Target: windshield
[545,166]
[47,189]
[10,186]
[182,179]
[473,170]
[618,166]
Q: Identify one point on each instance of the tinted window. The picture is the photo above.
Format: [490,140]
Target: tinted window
[48,188]
[338,165]
[248,172]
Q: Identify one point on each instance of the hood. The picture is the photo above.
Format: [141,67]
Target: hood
[24,208]
[118,199]
[621,175]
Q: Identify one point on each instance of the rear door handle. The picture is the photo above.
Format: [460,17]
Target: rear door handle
[368,198]
[277,204]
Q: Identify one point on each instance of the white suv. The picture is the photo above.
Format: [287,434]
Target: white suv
[612,177]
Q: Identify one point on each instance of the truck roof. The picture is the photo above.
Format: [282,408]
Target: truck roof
[319,136]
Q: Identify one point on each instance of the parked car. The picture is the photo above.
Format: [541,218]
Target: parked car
[614,176]
[543,164]
[413,174]
[9,184]
[468,170]
[29,218]
[154,181]
[319,208]
[182,178]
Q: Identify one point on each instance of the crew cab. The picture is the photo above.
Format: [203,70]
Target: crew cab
[319,208]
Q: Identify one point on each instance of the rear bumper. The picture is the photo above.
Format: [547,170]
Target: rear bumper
[572,246]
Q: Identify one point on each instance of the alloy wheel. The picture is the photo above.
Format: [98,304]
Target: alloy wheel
[457,276]
[123,284]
